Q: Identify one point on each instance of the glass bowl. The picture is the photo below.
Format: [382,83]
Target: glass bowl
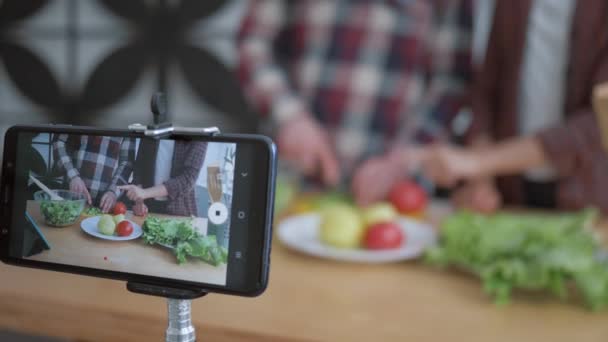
[60,213]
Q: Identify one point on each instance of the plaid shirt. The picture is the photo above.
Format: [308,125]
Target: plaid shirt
[187,161]
[371,71]
[101,162]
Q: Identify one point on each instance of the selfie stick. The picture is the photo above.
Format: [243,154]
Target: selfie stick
[179,300]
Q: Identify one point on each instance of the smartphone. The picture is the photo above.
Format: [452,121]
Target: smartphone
[186,210]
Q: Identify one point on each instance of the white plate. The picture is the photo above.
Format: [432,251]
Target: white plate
[89,226]
[301,233]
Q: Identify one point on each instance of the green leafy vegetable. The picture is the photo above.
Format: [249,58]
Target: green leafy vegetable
[184,239]
[526,251]
[92,211]
[61,213]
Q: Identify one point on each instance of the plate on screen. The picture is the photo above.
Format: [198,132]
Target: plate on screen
[89,226]
[301,233]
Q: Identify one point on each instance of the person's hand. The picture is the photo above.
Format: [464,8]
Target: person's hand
[373,180]
[140,209]
[77,185]
[479,195]
[134,193]
[446,165]
[306,144]
[107,201]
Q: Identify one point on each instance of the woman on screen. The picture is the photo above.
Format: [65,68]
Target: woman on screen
[165,173]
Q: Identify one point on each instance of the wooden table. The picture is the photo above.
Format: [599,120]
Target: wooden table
[71,245]
[308,299]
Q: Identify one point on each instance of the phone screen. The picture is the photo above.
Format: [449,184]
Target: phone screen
[178,209]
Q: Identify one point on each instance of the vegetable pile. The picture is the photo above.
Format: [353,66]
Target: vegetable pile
[180,235]
[92,211]
[526,251]
[61,213]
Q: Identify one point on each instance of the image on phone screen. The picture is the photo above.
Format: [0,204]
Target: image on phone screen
[154,207]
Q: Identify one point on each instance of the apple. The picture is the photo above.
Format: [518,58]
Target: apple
[124,228]
[384,235]
[341,226]
[379,212]
[106,225]
[118,218]
[409,198]
[119,208]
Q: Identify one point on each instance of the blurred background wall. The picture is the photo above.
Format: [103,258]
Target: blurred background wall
[97,62]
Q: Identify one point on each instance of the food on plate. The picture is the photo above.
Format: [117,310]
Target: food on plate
[315,202]
[181,236]
[508,251]
[124,228]
[92,211]
[119,208]
[408,198]
[341,226]
[324,200]
[379,212]
[118,218]
[106,225]
[383,235]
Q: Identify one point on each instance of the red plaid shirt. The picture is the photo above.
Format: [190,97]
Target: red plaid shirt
[369,70]
[101,162]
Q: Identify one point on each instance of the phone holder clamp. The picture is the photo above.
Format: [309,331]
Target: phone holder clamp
[166,129]
[161,128]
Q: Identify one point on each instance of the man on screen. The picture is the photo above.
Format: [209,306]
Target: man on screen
[95,165]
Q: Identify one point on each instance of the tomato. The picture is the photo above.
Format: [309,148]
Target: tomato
[124,228]
[119,208]
[385,235]
[408,197]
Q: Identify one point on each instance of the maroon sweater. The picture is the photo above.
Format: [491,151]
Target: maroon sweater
[573,147]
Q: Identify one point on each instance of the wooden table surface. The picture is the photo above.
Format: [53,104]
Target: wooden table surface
[71,245]
[307,299]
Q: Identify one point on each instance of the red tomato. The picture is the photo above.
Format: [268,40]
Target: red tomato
[119,208]
[408,197]
[385,235]
[124,228]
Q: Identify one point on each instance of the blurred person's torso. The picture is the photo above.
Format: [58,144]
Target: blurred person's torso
[360,67]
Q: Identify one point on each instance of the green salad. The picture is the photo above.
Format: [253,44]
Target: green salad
[61,213]
[186,242]
[92,211]
[530,251]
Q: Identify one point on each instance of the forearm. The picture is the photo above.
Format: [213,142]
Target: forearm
[155,191]
[509,157]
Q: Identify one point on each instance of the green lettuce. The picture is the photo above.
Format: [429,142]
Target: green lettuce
[526,251]
[186,242]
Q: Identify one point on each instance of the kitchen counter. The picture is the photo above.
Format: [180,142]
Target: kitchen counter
[307,299]
[71,245]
